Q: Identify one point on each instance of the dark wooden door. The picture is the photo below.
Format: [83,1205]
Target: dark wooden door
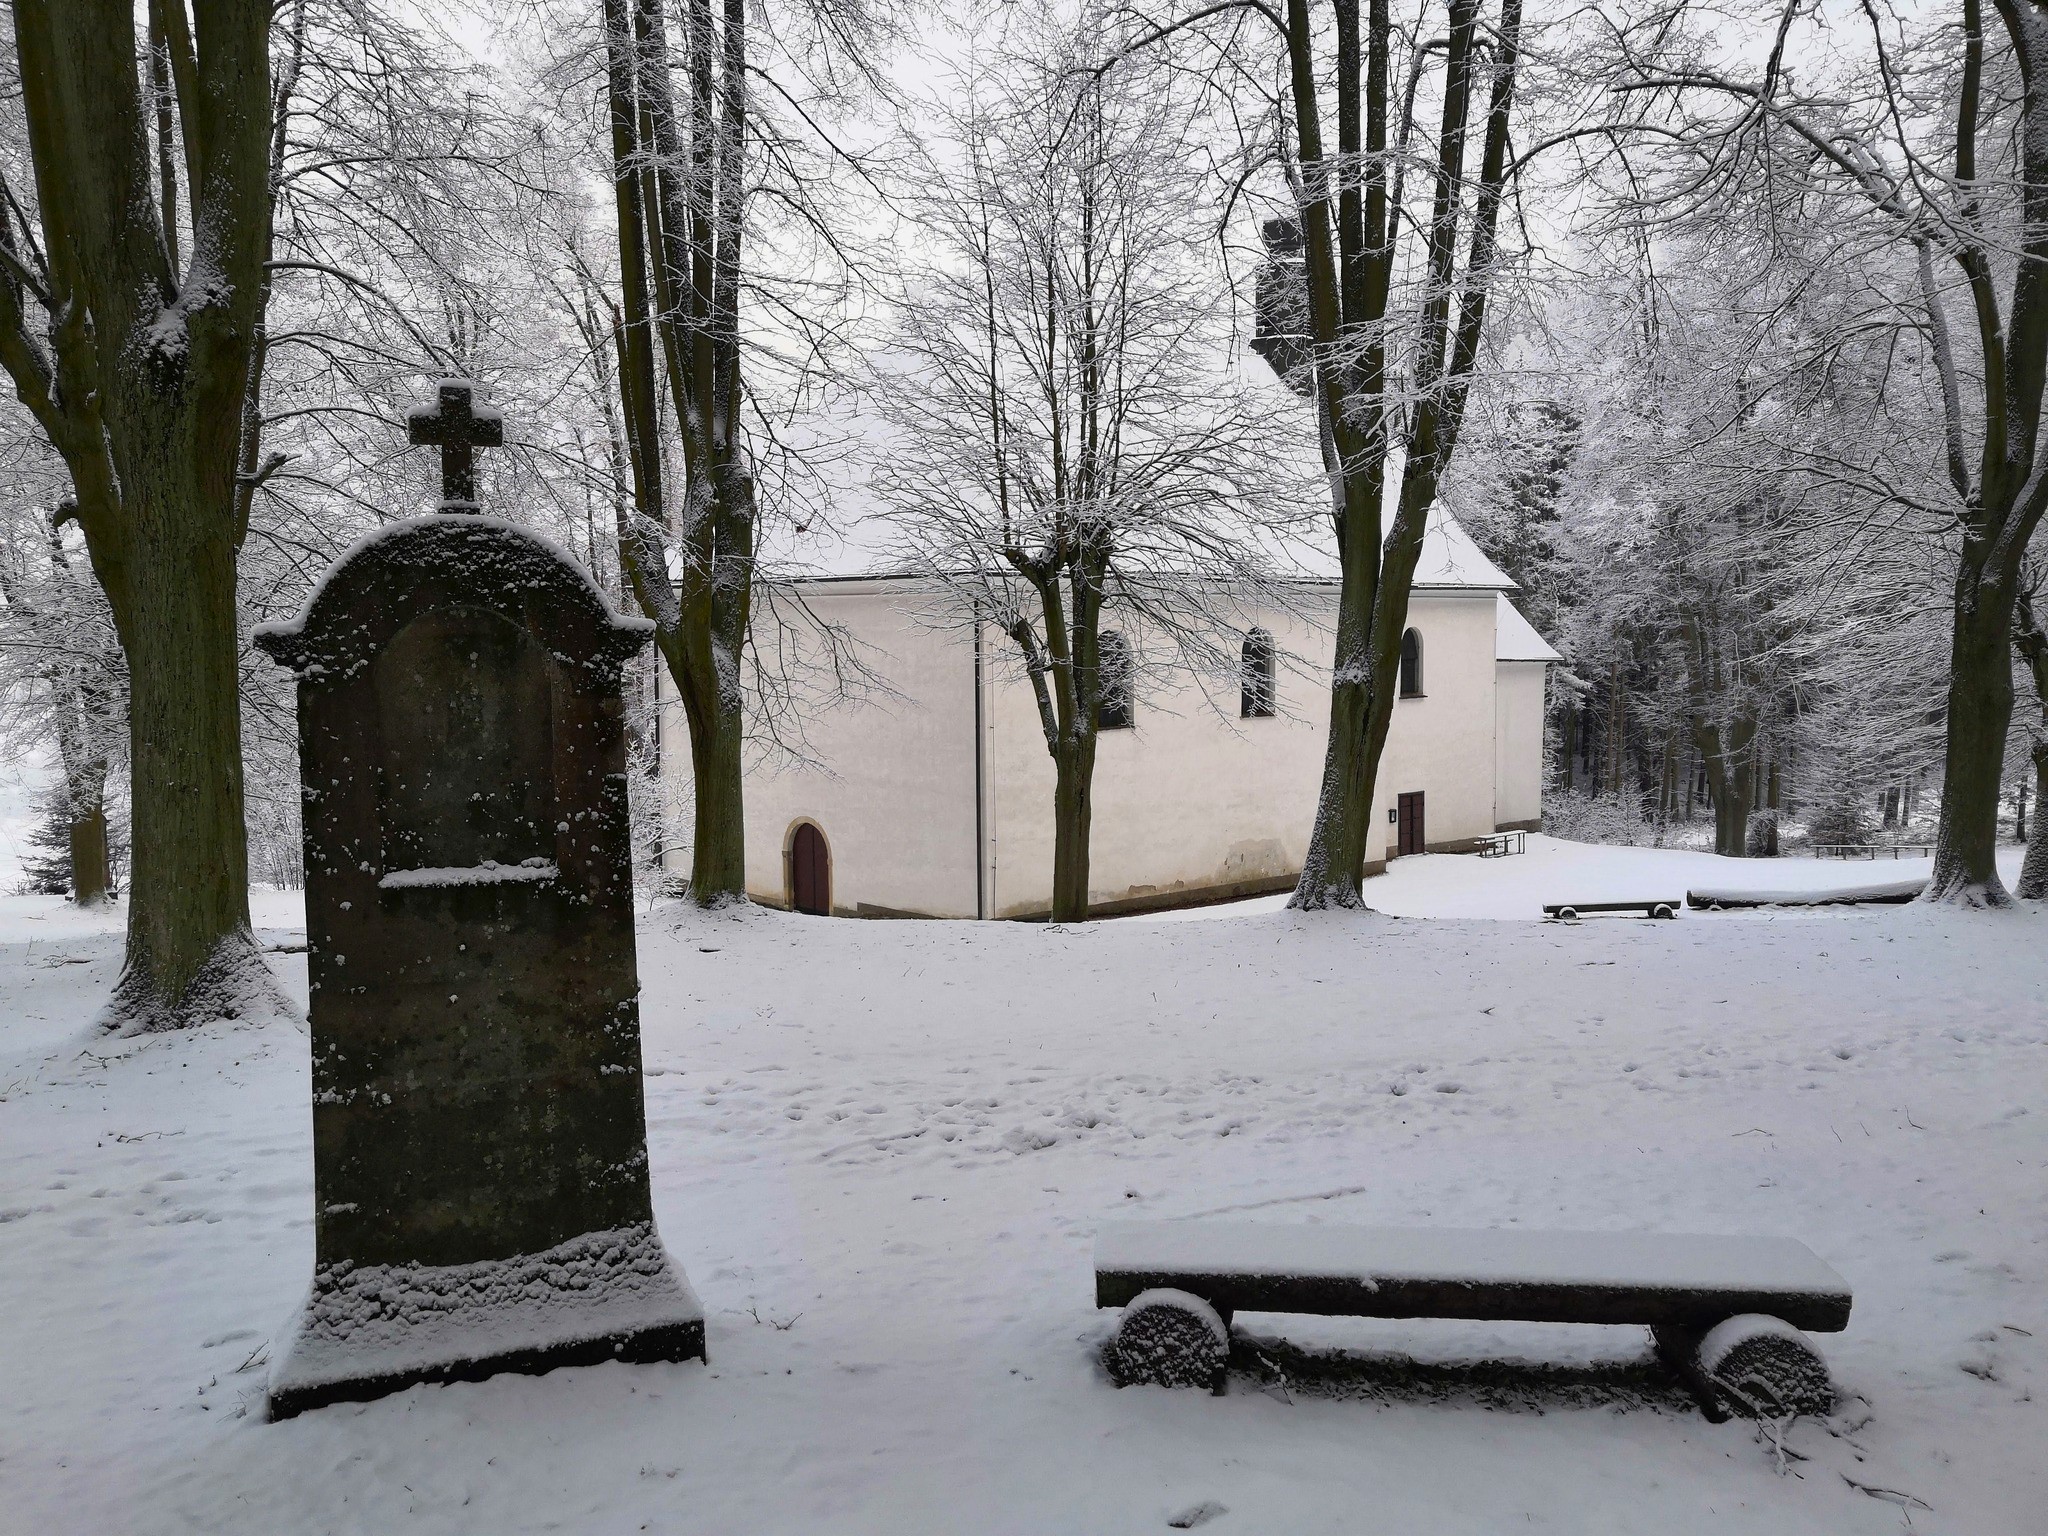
[810,872]
[1410,809]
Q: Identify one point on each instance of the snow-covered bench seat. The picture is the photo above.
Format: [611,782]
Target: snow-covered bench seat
[1710,1300]
[1568,910]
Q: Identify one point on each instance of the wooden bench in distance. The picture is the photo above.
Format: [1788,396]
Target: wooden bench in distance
[1567,910]
[1726,1311]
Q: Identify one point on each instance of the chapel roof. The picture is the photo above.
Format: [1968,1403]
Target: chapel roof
[1451,559]
[1515,638]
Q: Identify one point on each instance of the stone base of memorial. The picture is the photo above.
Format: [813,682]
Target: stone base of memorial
[368,1330]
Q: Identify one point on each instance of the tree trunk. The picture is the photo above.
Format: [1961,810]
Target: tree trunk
[1667,783]
[1338,843]
[85,789]
[1731,782]
[91,873]
[1771,802]
[1731,815]
[2034,872]
[718,858]
[1348,281]
[190,952]
[2031,641]
[1731,824]
[1073,809]
[1979,714]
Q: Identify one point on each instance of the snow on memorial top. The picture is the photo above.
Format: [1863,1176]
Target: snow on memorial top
[386,577]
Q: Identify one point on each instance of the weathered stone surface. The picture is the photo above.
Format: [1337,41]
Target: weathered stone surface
[477,1103]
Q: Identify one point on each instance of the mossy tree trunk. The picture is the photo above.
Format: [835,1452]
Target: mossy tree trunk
[2030,639]
[141,377]
[2003,501]
[1979,716]
[1067,686]
[679,180]
[85,799]
[1351,230]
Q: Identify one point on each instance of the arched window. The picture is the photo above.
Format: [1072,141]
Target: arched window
[1411,665]
[1256,692]
[1113,669]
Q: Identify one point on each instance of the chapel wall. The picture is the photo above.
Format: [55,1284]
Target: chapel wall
[1443,743]
[1194,803]
[891,781]
[1197,804]
[1519,699]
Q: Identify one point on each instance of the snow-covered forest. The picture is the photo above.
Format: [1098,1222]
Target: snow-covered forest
[1720,329]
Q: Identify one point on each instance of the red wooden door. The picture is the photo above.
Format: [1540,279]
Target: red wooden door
[810,872]
[1411,824]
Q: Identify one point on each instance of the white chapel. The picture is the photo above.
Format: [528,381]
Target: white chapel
[937,800]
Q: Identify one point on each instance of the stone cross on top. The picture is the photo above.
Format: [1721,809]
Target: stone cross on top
[458,425]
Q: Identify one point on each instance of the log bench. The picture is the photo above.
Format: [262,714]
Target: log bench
[1726,1313]
[1881,893]
[1567,910]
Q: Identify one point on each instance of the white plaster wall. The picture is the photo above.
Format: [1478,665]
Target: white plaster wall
[1191,799]
[1518,695]
[1191,802]
[897,804]
[1194,800]
[1443,742]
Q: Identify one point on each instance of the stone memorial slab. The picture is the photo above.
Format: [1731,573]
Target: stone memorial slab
[479,1132]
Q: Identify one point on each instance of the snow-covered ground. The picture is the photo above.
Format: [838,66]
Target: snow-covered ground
[882,1151]
[1517,887]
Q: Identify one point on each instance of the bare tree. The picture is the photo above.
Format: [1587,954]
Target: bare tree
[1393,314]
[1066,446]
[137,362]
[690,165]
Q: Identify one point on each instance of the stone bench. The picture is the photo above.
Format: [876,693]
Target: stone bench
[1567,910]
[1726,1312]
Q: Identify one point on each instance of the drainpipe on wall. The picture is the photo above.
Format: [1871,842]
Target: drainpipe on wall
[980,784]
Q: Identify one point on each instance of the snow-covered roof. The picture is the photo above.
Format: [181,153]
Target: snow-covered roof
[1449,562]
[1515,638]
[1450,559]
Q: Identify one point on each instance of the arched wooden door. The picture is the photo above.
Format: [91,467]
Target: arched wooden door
[810,872]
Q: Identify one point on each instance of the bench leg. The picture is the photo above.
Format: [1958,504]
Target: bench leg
[1757,1366]
[1765,1368]
[1169,1338]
